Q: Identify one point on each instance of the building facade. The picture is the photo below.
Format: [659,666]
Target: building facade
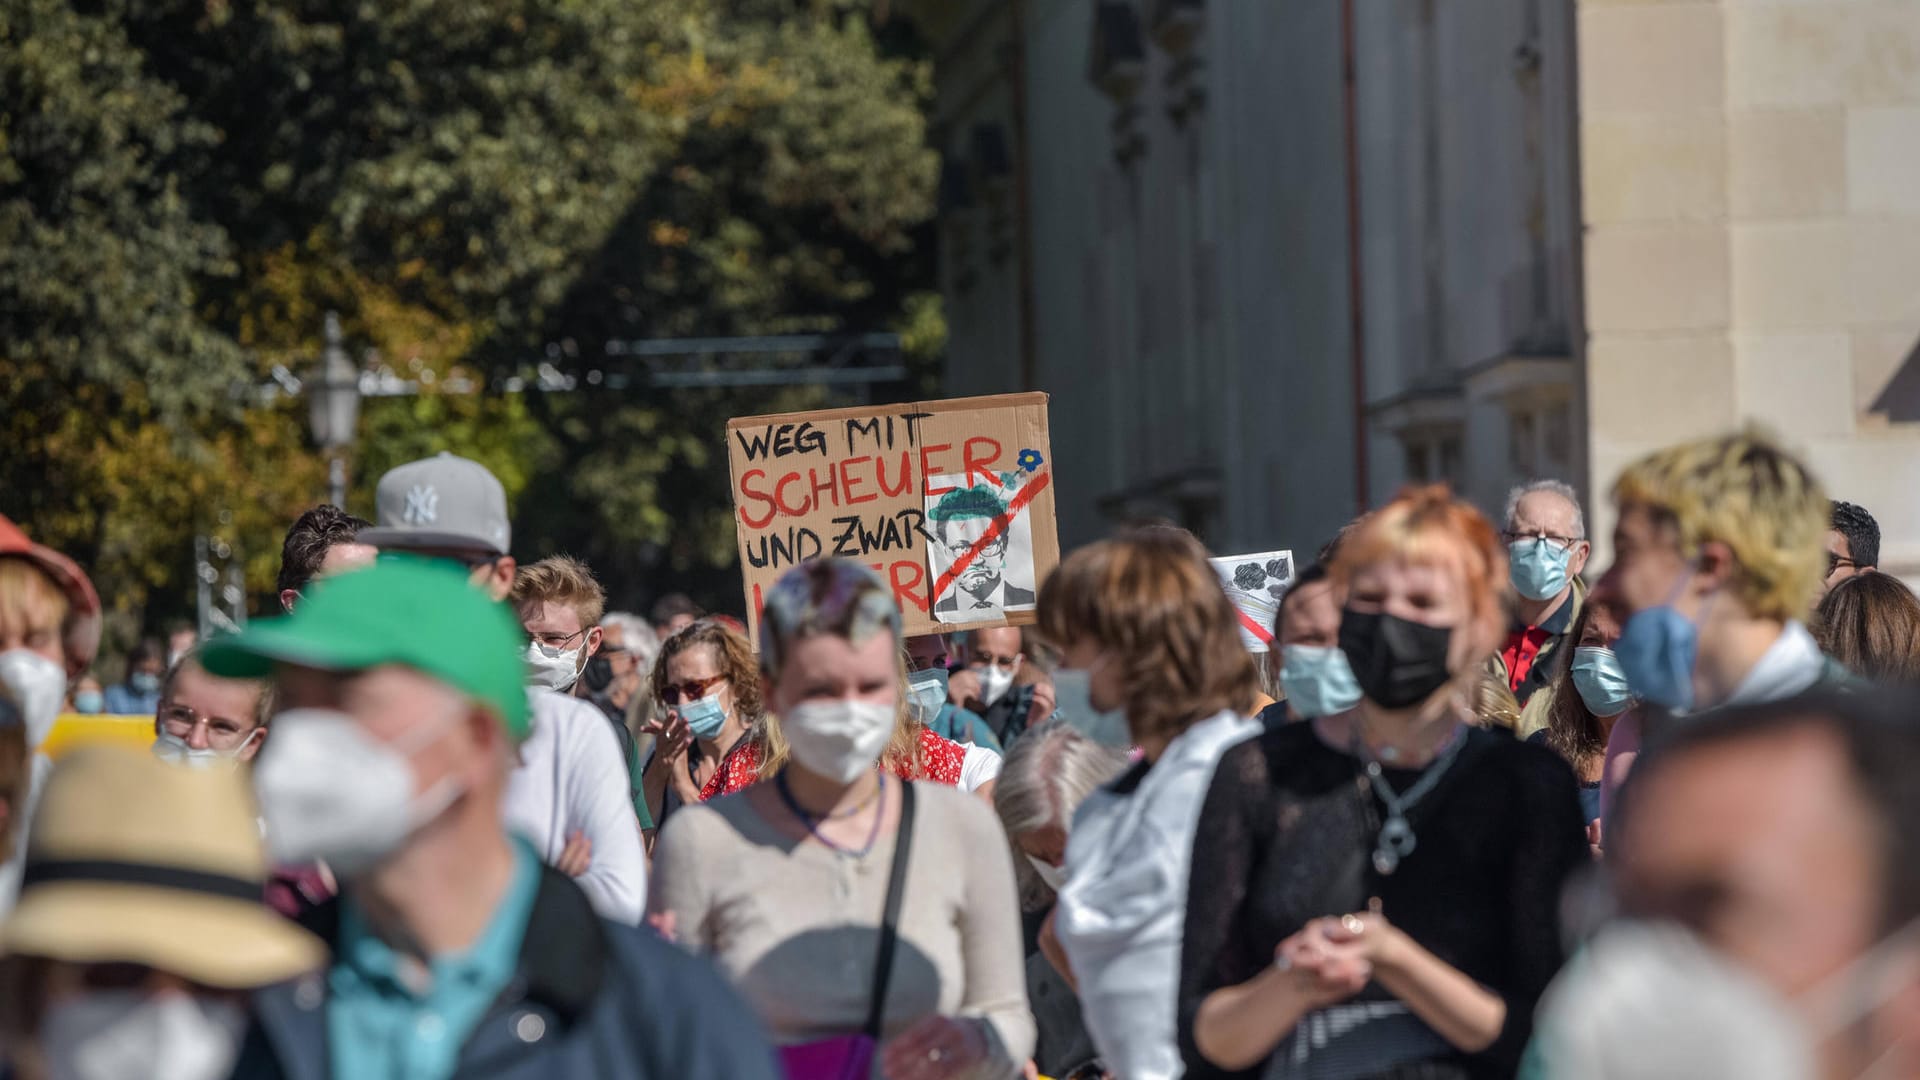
[1274,260]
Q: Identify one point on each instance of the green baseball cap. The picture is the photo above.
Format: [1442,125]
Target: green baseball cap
[417,613]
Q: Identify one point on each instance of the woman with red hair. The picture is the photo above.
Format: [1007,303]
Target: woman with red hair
[1445,844]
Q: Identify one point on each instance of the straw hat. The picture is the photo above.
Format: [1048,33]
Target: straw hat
[132,860]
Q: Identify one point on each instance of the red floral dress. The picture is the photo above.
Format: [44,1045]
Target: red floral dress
[940,757]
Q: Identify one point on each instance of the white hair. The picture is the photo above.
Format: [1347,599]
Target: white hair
[1045,777]
[1553,487]
[636,635]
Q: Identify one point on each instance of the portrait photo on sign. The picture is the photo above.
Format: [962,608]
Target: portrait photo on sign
[1255,584]
[995,563]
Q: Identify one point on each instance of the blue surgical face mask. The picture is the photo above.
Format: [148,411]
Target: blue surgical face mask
[1538,569]
[143,682]
[1317,680]
[90,702]
[928,693]
[1656,650]
[1602,684]
[1073,703]
[704,717]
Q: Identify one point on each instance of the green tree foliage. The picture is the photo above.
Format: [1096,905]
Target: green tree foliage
[794,203]
[185,188]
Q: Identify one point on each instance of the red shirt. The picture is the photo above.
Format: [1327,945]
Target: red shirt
[940,759]
[1522,648]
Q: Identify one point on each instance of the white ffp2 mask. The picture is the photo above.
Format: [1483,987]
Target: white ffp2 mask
[838,739]
[331,792]
[995,681]
[1054,876]
[555,669]
[31,690]
[111,1035]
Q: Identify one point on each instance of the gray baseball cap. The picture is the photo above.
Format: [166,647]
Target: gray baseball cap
[440,502]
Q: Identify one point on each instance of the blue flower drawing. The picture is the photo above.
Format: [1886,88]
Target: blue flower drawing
[1031,460]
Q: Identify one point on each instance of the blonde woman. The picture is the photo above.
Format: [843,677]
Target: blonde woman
[869,921]
[915,753]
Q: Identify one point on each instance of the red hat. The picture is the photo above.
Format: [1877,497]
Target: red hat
[83,617]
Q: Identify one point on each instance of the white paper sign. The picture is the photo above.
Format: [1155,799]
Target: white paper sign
[1255,584]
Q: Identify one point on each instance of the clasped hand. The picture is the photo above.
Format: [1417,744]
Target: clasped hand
[1331,959]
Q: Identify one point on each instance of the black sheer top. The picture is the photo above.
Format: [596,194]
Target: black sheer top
[1287,833]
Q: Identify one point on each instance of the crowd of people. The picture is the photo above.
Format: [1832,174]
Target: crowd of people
[1469,817]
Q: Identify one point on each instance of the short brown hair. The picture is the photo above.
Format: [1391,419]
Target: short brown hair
[1150,596]
[1871,624]
[559,579]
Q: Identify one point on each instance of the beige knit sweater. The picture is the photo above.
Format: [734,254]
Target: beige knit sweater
[795,924]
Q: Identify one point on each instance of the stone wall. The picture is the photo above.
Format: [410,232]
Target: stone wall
[1751,194]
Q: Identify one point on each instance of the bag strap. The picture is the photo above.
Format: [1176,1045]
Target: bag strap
[890,922]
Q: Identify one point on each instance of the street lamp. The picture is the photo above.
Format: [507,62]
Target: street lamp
[334,401]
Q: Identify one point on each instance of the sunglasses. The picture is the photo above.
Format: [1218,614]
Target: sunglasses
[691,690]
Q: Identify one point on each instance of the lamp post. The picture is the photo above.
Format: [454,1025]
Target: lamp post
[334,400]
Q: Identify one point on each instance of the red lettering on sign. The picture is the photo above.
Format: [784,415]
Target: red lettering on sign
[979,464]
[908,592]
[749,492]
[780,497]
[829,486]
[928,471]
[848,480]
[906,475]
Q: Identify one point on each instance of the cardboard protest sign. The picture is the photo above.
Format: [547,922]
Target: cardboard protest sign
[1255,584]
[951,501]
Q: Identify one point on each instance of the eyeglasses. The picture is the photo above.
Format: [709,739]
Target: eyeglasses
[1835,562]
[179,722]
[1557,543]
[554,639]
[691,690]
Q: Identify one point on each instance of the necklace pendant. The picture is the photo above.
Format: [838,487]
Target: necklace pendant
[1385,862]
[1397,836]
[1389,753]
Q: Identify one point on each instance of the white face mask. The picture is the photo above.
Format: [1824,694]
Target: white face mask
[555,669]
[174,750]
[995,681]
[838,739]
[1652,999]
[31,689]
[1054,876]
[331,792]
[112,1035]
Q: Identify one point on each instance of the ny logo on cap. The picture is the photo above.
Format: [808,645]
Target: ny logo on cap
[422,504]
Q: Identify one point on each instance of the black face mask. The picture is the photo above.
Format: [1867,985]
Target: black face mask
[1397,662]
[598,675]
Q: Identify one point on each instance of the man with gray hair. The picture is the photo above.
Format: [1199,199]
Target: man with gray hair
[1546,538]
